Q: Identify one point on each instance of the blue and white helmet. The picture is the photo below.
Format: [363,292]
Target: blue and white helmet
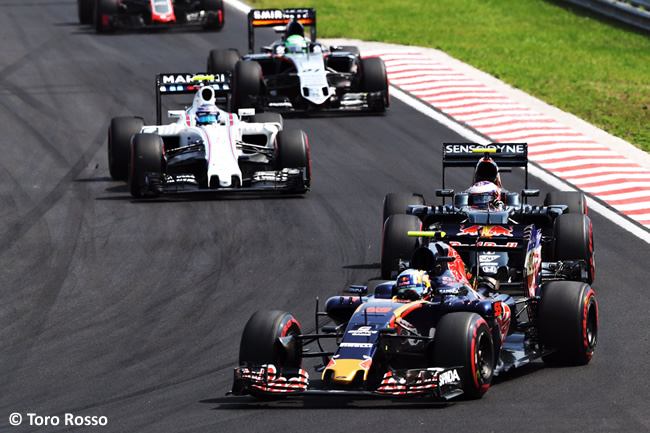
[207,114]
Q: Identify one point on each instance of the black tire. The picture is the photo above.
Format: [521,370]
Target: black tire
[104,8]
[568,322]
[396,203]
[86,10]
[293,152]
[375,79]
[575,200]
[464,339]
[574,240]
[268,118]
[146,158]
[396,244]
[247,84]
[260,341]
[221,61]
[217,14]
[120,132]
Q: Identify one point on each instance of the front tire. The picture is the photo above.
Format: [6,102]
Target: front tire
[293,152]
[146,165]
[261,340]
[396,244]
[574,240]
[396,203]
[568,322]
[375,79]
[120,132]
[464,339]
[247,84]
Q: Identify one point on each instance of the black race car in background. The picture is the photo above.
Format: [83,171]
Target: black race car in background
[297,74]
[109,15]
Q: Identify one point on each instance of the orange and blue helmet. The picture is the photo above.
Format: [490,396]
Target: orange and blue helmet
[413,284]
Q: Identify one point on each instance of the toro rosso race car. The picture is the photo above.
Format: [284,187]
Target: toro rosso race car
[108,15]
[430,332]
[207,149]
[298,74]
[559,233]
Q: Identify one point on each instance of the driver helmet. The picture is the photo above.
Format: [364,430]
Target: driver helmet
[296,44]
[484,195]
[207,114]
[413,285]
[294,28]
[487,169]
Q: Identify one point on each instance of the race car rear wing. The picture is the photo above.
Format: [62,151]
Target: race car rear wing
[279,17]
[468,155]
[188,83]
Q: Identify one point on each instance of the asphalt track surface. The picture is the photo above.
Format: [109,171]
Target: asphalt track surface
[133,310]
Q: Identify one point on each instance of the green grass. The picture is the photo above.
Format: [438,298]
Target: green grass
[580,62]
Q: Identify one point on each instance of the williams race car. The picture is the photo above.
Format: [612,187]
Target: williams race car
[298,74]
[207,149]
[502,218]
[108,15]
[428,333]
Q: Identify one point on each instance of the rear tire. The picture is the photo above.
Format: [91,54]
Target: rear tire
[247,84]
[375,79]
[568,322]
[222,61]
[85,10]
[396,244]
[576,201]
[293,152]
[146,160]
[260,341]
[104,8]
[120,132]
[216,12]
[464,339]
[396,203]
[574,240]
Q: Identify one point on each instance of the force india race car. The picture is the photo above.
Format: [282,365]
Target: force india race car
[108,15]
[451,341]
[227,155]
[515,231]
[298,74]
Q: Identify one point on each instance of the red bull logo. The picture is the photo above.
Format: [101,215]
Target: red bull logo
[486,231]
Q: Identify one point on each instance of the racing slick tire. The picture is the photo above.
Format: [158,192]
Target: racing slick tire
[396,244]
[396,203]
[574,240]
[293,152]
[568,322]
[576,201]
[464,339]
[103,10]
[85,10]
[247,84]
[146,160]
[120,132]
[375,79]
[260,342]
[268,118]
[216,14]
[221,61]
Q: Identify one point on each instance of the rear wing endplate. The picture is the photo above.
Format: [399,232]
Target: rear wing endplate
[186,83]
[279,17]
[468,155]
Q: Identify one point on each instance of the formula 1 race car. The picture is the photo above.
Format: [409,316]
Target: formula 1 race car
[298,74]
[501,218]
[108,15]
[428,333]
[207,149]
